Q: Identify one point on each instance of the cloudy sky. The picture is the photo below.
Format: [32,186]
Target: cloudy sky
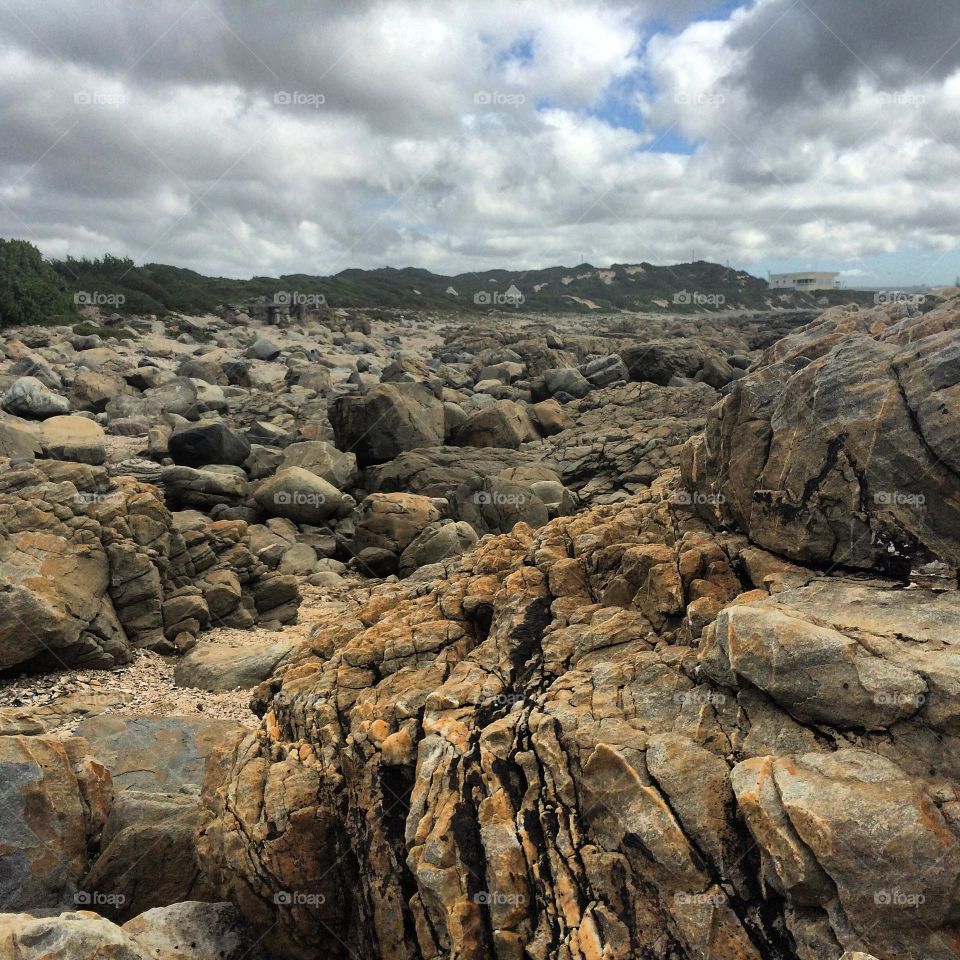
[241,137]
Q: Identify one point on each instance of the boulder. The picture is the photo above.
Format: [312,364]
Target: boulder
[549,417]
[19,438]
[202,489]
[207,370]
[391,521]
[147,858]
[53,802]
[207,443]
[182,931]
[846,459]
[69,936]
[217,667]
[155,754]
[386,421]
[299,495]
[194,931]
[28,397]
[438,471]
[92,390]
[263,349]
[566,380]
[323,459]
[493,505]
[437,541]
[603,371]
[660,361]
[502,423]
[73,438]
[31,365]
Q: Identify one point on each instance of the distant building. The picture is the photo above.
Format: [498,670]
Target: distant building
[809,280]
[452,292]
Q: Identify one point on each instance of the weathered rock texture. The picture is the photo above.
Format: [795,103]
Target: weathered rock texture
[91,565]
[841,446]
[621,737]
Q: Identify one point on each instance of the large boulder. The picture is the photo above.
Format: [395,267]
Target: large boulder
[147,858]
[28,397]
[19,438]
[53,803]
[208,443]
[323,459]
[79,935]
[849,459]
[73,438]
[217,667]
[503,423]
[155,754]
[182,931]
[437,541]
[494,505]
[391,521]
[566,380]
[603,371]
[92,390]
[299,495]
[438,471]
[659,362]
[389,419]
[202,489]
[194,931]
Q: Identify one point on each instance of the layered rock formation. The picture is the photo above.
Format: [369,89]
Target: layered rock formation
[93,566]
[622,736]
[840,446]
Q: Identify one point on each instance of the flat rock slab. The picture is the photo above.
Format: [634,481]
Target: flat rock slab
[217,668]
[155,754]
[49,716]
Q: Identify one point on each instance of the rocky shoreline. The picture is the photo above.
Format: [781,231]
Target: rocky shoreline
[399,635]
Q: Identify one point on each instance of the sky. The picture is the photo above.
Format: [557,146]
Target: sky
[243,138]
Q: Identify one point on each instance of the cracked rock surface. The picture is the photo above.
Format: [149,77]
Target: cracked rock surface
[621,736]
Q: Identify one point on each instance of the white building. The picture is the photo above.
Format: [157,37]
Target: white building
[809,280]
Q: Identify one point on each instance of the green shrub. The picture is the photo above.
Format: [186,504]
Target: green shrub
[31,291]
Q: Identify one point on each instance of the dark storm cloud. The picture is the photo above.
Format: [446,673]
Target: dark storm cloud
[795,49]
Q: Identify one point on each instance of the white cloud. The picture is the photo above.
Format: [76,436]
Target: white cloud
[463,136]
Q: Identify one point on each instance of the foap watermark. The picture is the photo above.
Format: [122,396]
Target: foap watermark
[686,498]
[299,98]
[511,297]
[94,298]
[298,898]
[694,298]
[85,497]
[99,98]
[898,898]
[499,499]
[898,498]
[902,99]
[885,298]
[504,700]
[298,498]
[96,898]
[702,98]
[897,699]
[494,898]
[699,899]
[499,98]
[700,698]
[293,298]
